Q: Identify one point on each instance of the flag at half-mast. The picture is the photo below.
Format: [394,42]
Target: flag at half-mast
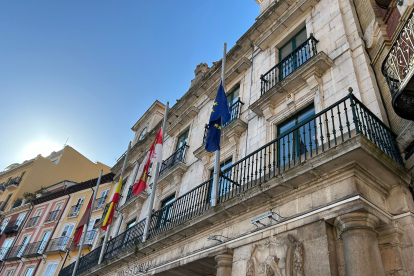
[84,221]
[220,114]
[154,155]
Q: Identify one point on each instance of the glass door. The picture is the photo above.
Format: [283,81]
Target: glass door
[23,245]
[65,236]
[289,61]
[166,213]
[43,242]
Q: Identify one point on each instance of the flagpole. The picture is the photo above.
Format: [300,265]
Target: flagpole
[108,229]
[154,184]
[87,225]
[216,175]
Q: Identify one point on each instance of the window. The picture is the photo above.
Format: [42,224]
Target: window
[6,245]
[20,219]
[291,62]
[4,224]
[9,273]
[29,271]
[65,235]
[167,208]
[51,269]
[182,140]
[233,96]
[142,134]
[23,244]
[224,185]
[45,238]
[292,144]
[131,223]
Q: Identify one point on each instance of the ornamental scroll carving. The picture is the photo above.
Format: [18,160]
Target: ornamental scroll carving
[277,257]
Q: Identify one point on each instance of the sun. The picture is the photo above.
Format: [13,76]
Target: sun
[40,147]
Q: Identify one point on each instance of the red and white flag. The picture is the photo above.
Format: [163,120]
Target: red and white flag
[154,155]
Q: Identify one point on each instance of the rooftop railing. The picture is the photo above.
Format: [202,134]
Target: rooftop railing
[74,210]
[32,222]
[327,129]
[289,64]
[235,110]
[177,157]
[58,245]
[52,216]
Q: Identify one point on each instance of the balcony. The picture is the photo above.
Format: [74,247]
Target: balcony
[346,132]
[15,253]
[57,245]
[398,70]
[52,216]
[87,261]
[177,157]
[34,249]
[90,236]
[67,271]
[12,227]
[99,203]
[74,210]
[3,252]
[13,183]
[32,222]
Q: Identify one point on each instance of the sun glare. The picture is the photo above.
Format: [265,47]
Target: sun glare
[41,147]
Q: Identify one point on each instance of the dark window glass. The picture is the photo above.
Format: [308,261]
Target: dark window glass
[182,140]
[291,62]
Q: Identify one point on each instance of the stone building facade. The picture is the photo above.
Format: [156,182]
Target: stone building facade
[313,181]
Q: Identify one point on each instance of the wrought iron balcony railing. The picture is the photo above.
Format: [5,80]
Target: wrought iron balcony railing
[89,260]
[235,110]
[67,271]
[34,249]
[398,69]
[52,216]
[15,252]
[315,135]
[13,181]
[12,227]
[289,64]
[99,203]
[130,193]
[3,252]
[58,245]
[74,210]
[177,157]
[32,222]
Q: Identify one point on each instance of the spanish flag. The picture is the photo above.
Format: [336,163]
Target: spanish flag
[114,202]
[154,155]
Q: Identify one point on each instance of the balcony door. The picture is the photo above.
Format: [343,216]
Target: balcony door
[23,245]
[182,140]
[43,243]
[166,213]
[224,185]
[4,224]
[5,247]
[65,236]
[19,220]
[295,142]
[289,61]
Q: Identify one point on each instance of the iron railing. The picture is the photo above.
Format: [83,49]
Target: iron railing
[289,64]
[58,245]
[235,110]
[15,252]
[52,216]
[398,68]
[334,125]
[13,181]
[67,271]
[124,241]
[3,252]
[32,222]
[12,227]
[34,249]
[99,203]
[130,193]
[88,260]
[177,157]
[74,210]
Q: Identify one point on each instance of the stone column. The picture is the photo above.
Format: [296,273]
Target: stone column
[224,264]
[360,244]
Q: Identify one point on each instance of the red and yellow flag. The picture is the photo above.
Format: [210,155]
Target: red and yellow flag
[154,155]
[115,199]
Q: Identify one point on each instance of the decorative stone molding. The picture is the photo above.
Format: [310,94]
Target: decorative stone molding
[277,257]
[316,65]
[171,178]
[224,264]
[390,235]
[199,72]
[406,137]
[182,120]
[356,220]
[202,154]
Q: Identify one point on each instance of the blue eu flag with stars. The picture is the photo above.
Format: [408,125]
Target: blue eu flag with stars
[220,110]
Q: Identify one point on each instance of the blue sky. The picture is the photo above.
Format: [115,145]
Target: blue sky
[87,70]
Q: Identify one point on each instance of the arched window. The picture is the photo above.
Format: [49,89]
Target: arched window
[142,134]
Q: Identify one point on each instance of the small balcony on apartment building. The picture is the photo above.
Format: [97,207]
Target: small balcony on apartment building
[131,199]
[345,132]
[52,216]
[57,245]
[74,210]
[15,253]
[32,222]
[85,262]
[398,70]
[13,183]
[3,252]
[12,227]
[99,203]
[34,249]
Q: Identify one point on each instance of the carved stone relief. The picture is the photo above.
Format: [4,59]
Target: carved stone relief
[277,257]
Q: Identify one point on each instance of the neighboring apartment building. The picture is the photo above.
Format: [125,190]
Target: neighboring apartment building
[313,181]
[59,251]
[43,240]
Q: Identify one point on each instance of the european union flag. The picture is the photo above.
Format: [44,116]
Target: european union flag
[220,109]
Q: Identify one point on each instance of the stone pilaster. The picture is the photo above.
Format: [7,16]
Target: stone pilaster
[360,244]
[224,264]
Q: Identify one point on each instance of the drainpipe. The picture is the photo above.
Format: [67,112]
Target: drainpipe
[18,234]
[250,97]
